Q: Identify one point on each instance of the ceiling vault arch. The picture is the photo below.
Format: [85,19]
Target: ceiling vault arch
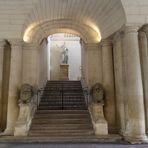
[37,32]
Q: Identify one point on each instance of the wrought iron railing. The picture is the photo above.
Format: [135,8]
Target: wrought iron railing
[60,92]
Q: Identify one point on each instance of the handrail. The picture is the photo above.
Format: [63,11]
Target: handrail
[39,95]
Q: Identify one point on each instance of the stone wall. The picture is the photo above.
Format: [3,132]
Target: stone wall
[30,64]
[43,63]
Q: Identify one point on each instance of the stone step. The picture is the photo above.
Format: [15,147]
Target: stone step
[60,100]
[60,121]
[60,103]
[56,115]
[62,112]
[63,91]
[61,132]
[44,102]
[60,108]
[64,98]
[54,97]
[62,126]
[63,85]
[63,82]
[79,106]
[51,120]
[60,87]
[47,116]
[66,103]
[68,94]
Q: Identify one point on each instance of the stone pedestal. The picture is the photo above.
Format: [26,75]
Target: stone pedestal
[64,70]
[99,123]
[24,119]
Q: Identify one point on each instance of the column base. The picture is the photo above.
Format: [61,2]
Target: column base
[136,140]
[8,132]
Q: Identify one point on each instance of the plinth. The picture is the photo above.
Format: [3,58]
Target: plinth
[64,70]
[99,123]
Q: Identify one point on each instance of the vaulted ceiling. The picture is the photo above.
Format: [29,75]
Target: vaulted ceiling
[86,18]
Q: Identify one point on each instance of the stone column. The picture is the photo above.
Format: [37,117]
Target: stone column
[135,115]
[94,64]
[2,43]
[119,81]
[108,83]
[143,44]
[14,85]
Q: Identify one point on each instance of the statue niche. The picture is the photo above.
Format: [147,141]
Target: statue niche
[27,104]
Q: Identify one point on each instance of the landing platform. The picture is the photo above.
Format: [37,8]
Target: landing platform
[114,139]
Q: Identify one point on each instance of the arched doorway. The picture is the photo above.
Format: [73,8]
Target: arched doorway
[57,44]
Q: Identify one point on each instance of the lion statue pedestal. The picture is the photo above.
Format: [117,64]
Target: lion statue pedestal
[96,109]
[27,105]
[99,123]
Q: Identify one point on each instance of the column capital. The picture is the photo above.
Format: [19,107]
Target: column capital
[118,36]
[145,29]
[2,43]
[130,29]
[92,44]
[30,46]
[15,42]
[142,34]
[106,42]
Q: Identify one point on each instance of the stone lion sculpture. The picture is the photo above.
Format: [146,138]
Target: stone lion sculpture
[96,110]
[26,94]
[97,92]
[28,106]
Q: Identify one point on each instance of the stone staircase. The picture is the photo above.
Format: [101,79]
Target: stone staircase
[63,95]
[62,112]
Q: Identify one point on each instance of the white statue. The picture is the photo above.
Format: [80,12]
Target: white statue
[65,56]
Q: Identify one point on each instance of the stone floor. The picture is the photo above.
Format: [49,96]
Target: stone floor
[43,145]
[109,141]
[113,139]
